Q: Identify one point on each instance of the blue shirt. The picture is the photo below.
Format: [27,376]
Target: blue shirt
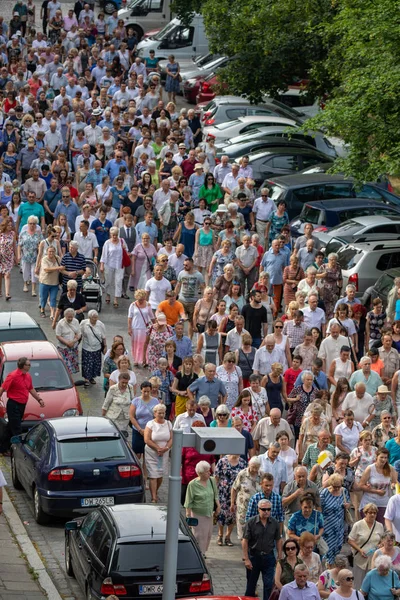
[71,211]
[142,228]
[275,499]
[203,387]
[345,300]
[378,586]
[102,230]
[249,444]
[394,450]
[274,265]
[321,379]
[183,346]
[96,178]
[27,209]
[113,166]
[298,523]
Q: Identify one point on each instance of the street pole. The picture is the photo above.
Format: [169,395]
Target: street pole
[174,508]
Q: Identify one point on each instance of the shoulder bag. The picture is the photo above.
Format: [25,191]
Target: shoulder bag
[126,259]
[151,265]
[351,345]
[102,342]
[321,544]
[347,514]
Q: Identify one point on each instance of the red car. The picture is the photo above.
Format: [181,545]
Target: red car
[50,378]
[191,88]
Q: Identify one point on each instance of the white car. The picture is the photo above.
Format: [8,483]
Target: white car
[230,129]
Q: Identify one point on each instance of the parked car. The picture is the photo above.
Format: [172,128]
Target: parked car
[297,98]
[71,465]
[329,215]
[241,125]
[119,550]
[373,226]
[16,326]
[380,289]
[298,189]
[279,160]
[190,76]
[313,138]
[50,377]
[363,263]
[235,151]
[207,88]
[226,108]
[187,64]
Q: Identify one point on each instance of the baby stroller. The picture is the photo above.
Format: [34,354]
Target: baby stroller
[92,289]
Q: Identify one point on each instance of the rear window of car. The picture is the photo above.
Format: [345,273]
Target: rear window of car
[310,214]
[79,450]
[349,257]
[227,124]
[29,334]
[275,192]
[348,228]
[384,283]
[139,556]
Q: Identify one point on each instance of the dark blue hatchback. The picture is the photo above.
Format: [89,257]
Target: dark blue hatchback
[72,464]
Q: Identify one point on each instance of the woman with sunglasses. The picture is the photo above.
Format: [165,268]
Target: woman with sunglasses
[204,245]
[284,572]
[231,376]
[344,587]
[222,417]
[212,192]
[282,342]
[364,538]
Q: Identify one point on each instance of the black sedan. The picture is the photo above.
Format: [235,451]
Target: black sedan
[276,161]
[73,464]
[259,145]
[120,550]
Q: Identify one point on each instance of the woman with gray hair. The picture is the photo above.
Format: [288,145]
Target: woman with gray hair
[204,405]
[28,245]
[93,346]
[246,484]
[330,274]
[202,502]
[381,583]
[328,579]
[309,284]
[117,402]
[299,398]
[158,440]
[68,334]
[111,265]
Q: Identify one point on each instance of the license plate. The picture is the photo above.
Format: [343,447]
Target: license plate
[105,501]
[153,589]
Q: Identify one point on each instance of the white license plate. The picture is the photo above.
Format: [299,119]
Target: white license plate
[153,589]
[105,501]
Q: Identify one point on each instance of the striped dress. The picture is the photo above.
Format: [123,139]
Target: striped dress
[333,513]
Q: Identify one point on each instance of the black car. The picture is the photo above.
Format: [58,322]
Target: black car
[16,326]
[298,189]
[120,550]
[381,288]
[281,161]
[258,145]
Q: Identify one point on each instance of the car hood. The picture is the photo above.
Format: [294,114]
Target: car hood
[56,403]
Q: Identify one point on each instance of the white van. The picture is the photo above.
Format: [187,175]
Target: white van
[182,41]
[145,15]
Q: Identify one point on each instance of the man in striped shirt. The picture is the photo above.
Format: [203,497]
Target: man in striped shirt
[74,266]
[267,485]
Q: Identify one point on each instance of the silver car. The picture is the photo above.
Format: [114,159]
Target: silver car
[359,229]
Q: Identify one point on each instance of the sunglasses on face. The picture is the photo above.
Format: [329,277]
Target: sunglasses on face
[290,547]
[265,509]
[349,578]
[222,415]
[278,326]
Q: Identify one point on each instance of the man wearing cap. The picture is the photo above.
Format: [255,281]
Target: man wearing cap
[196,180]
[25,158]
[181,155]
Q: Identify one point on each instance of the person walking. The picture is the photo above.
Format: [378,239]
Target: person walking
[158,442]
[301,587]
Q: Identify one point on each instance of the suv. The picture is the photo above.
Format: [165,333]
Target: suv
[380,289]
[228,108]
[376,226]
[329,216]
[298,189]
[363,263]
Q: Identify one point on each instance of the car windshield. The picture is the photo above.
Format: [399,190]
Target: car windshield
[310,214]
[227,124]
[275,191]
[349,257]
[165,31]
[348,228]
[16,335]
[333,246]
[384,283]
[142,556]
[91,449]
[47,375]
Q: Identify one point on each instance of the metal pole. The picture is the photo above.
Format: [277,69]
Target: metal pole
[174,507]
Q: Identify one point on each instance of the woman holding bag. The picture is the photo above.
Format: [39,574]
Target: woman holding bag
[111,264]
[364,539]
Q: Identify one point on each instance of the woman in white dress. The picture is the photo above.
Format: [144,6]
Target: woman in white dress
[282,342]
[340,367]
[158,440]
[111,265]
[139,316]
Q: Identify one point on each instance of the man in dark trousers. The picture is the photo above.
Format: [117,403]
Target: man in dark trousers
[261,537]
[255,318]
[128,233]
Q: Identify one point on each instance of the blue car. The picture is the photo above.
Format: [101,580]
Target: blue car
[72,464]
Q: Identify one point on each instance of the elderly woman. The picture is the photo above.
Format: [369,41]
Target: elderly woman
[364,538]
[299,398]
[222,417]
[111,265]
[377,482]
[225,255]
[334,500]
[201,498]
[223,283]
[231,376]
[143,259]
[310,428]
[227,469]
[68,334]
[306,519]
[382,583]
[309,284]
[8,254]
[246,484]
[328,579]
[140,413]
[168,272]
[388,548]
[71,299]
[332,281]
[360,458]
[382,402]
[93,346]
[123,366]
[158,440]
[117,402]
[204,405]
[50,268]
[140,315]
[190,458]
[384,431]
[292,275]
[154,346]
[110,362]
[28,245]
[203,310]
[310,558]
[347,433]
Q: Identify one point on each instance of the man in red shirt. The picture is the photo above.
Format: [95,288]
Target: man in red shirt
[18,385]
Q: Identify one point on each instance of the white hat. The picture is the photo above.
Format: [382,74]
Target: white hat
[222,208]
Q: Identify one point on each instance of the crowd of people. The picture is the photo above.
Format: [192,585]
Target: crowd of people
[233,323]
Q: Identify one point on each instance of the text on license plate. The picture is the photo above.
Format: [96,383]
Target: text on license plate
[105,501]
[153,589]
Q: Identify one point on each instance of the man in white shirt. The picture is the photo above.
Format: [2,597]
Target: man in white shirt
[85,216]
[313,315]
[143,148]
[87,241]
[331,345]
[53,140]
[230,181]
[138,67]
[93,133]
[392,516]
[263,208]
[177,259]
[267,428]
[185,420]
[266,356]
[162,195]
[156,288]
[361,403]
[272,463]
[234,337]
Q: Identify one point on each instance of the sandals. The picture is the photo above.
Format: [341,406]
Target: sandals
[92,381]
[87,384]
[228,542]
[219,540]
[8,298]
[115,304]
[42,314]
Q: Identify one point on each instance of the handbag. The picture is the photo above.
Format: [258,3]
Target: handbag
[102,342]
[275,593]
[151,265]
[321,544]
[347,514]
[355,552]
[126,259]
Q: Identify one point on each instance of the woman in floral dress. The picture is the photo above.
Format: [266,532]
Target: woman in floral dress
[29,241]
[331,275]
[157,334]
[226,471]
[221,258]
[246,484]
[8,254]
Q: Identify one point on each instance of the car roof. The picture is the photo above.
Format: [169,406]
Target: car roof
[270,141]
[373,246]
[35,350]
[338,204]
[80,427]
[17,320]
[135,522]
[300,148]
[264,119]
[375,219]
[303,180]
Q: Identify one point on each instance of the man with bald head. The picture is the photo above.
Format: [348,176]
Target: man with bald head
[365,375]
[96,174]
[360,402]
[267,428]
[314,450]
[331,345]
[293,491]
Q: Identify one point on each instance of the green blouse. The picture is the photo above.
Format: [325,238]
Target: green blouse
[211,195]
[200,499]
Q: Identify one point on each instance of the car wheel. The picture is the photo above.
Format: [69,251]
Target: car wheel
[68,561]
[14,475]
[40,517]
[109,7]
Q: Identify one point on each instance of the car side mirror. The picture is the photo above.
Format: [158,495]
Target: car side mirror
[192,522]
[71,526]
[17,439]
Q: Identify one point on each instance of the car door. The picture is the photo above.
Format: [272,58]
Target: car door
[98,548]
[25,456]
[299,196]
[79,547]
[37,455]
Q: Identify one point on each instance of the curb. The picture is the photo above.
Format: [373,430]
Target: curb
[33,558]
